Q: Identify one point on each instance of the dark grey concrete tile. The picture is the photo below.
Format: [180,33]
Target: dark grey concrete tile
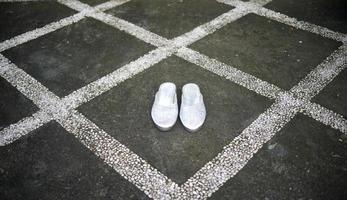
[13,105]
[334,96]
[306,160]
[124,112]
[74,56]
[272,51]
[19,17]
[169,18]
[94,2]
[331,14]
[52,164]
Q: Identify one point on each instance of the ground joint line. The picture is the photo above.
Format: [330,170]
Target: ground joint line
[325,116]
[128,164]
[231,73]
[31,35]
[51,27]
[322,75]
[23,127]
[284,19]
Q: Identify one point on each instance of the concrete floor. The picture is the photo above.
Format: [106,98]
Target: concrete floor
[304,160]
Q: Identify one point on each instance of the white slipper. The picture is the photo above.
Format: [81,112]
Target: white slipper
[193,111]
[165,109]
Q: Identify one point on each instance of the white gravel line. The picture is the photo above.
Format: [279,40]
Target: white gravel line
[125,162]
[210,27]
[279,17]
[48,103]
[128,164]
[76,5]
[110,4]
[319,30]
[118,23]
[131,29]
[251,5]
[120,158]
[23,127]
[31,35]
[51,27]
[231,73]
[325,116]
[28,86]
[321,76]
[260,2]
[166,48]
[236,155]
[111,80]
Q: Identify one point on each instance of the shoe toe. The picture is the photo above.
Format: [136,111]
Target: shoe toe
[164,119]
[192,120]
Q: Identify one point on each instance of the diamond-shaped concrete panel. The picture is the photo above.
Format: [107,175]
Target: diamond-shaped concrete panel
[124,113]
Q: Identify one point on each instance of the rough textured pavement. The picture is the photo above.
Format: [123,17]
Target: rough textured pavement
[243,64]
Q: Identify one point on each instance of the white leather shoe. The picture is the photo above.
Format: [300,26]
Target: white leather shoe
[193,111]
[165,109]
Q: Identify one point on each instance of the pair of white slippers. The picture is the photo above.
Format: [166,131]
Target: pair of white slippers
[165,109]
